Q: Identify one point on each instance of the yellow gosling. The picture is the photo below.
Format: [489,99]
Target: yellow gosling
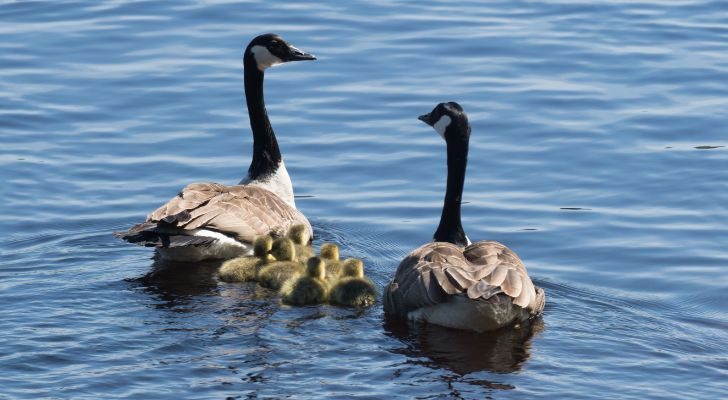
[273,275]
[240,269]
[309,289]
[353,289]
[303,253]
[352,268]
[283,249]
[245,269]
[330,253]
[262,247]
[299,235]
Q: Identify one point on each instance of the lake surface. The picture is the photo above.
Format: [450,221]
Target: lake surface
[597,154]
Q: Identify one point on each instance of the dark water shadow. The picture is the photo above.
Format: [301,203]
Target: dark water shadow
[182,287]
[502,351]
[177,283]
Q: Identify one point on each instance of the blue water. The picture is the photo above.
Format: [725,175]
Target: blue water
[597,154]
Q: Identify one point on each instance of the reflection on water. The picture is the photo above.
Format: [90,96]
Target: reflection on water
[501,351]
[177,283]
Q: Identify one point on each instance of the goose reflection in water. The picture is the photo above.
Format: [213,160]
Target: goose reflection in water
[501,351]
[194,288]
[179,284]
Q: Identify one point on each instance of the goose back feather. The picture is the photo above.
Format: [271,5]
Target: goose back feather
[240,212]
[435,272]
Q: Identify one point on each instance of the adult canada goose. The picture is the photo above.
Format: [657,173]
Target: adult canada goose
[353,289]
[308,289]
[215,221]
[450,282]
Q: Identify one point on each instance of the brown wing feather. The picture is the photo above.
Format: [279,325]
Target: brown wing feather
[241,211]
[508,272]
[436,270]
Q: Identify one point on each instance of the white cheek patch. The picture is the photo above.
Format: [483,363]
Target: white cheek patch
[264,58]
[442,124]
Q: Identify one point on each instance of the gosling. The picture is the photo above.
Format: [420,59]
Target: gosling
[245,269]
[330,253]
[353,289]
[273,275]
[309,289]
[299,235]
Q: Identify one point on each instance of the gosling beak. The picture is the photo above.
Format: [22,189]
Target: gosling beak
[296,54]
[425,118]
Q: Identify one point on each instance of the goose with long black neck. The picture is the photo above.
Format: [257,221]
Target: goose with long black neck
[216,221]
[450,281]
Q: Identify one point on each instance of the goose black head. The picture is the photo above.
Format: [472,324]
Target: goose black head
[270,49]
[449,120]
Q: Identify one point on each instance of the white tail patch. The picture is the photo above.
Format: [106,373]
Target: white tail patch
[442,124]
[224,248]
[264,58]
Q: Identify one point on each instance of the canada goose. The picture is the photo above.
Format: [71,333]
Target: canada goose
[330,253]
[308,289]
[353,289]
[302,240]
[215,221]
[273,275]
[450,282]
[246,268]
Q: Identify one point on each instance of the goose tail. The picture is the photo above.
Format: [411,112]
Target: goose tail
[149,234]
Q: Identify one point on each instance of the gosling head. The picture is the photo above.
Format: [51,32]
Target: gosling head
[329,251]
[262,245]
[316,268]
[283,249]
[299,234]
[270,49]
[353,268]
[449,120]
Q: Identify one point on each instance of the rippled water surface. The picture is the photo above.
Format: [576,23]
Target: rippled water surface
[597,154]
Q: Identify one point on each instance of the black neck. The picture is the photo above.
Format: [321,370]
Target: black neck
[266,154]
[450,228]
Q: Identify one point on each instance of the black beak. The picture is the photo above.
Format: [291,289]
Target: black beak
[298,55]
[425,118]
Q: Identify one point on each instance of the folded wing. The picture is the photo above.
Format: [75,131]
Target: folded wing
[241,212]
[436,270]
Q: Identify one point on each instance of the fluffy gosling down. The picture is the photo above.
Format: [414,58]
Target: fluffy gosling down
[302,242]
[273,275]
[308,289]
[353,289]
[245,269]
[329,252]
